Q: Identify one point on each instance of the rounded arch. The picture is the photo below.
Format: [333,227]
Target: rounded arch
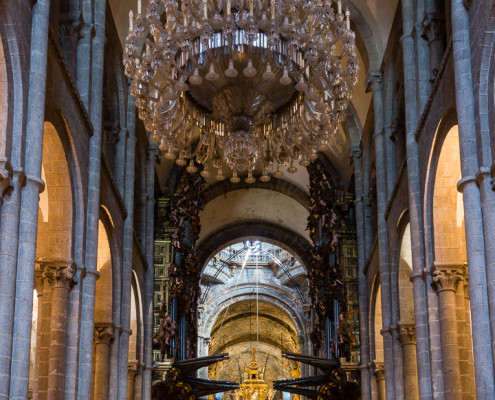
[404,270]
[485,90]
[254,230]
[444,204]
[13,56]
[278,185]
[240,206]
[446,123]
[4,102]
[104,284]
[245,293]
[55,219]
[376,338]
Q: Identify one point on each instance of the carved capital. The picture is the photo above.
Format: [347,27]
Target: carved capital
[5,178]
[356,152]
[432,28]
[132,368]
[407,333]
[59,273]
[379,370]
[104,333]
[447,278]
[374,81]
[71,30]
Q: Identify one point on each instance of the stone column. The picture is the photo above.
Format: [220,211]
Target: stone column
[379,373]
[131,378]
[375,83]
[69,35]
[114,366]
[434,33]
[482,316]
[103,341]
[467,373]
[43,345]
[415,209]
[150,273]
[446,280]
[10,199]
[119,164]
[93,207]
[61,278]
[362,292]
[28,224]
[37,357]
[407,338]
[138,382]
[127,251]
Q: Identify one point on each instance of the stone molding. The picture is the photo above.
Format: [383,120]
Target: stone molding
[59,273]
[447,277]
[104,333]
[407,333]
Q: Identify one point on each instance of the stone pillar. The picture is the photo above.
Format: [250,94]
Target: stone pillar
[26,250]
[467,373]
[379,373]
[131,378]
[434,33]
[119,164]
[93,207]
[467,320]
[61,278]
[103,341]
[138,382]
[415,202]
[482,316]
[375,83]
[37,357]
[446,280]
[127,251]
[150,273]
[10,199]
[69,35]
[362,292]
[114,366]
[407,338]
[43,345]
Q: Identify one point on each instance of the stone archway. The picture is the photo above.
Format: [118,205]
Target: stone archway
[446,208]
[253,300]
[55,268]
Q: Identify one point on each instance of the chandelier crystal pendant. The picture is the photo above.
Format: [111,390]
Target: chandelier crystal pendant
[241,85]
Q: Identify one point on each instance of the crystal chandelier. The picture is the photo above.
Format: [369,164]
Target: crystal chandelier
[241,85]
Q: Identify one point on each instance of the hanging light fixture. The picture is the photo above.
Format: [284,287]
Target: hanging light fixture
[241,85]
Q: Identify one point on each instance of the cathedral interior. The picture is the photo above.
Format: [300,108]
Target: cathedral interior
[247,199]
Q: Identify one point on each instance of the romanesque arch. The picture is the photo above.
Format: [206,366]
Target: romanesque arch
[445,212]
